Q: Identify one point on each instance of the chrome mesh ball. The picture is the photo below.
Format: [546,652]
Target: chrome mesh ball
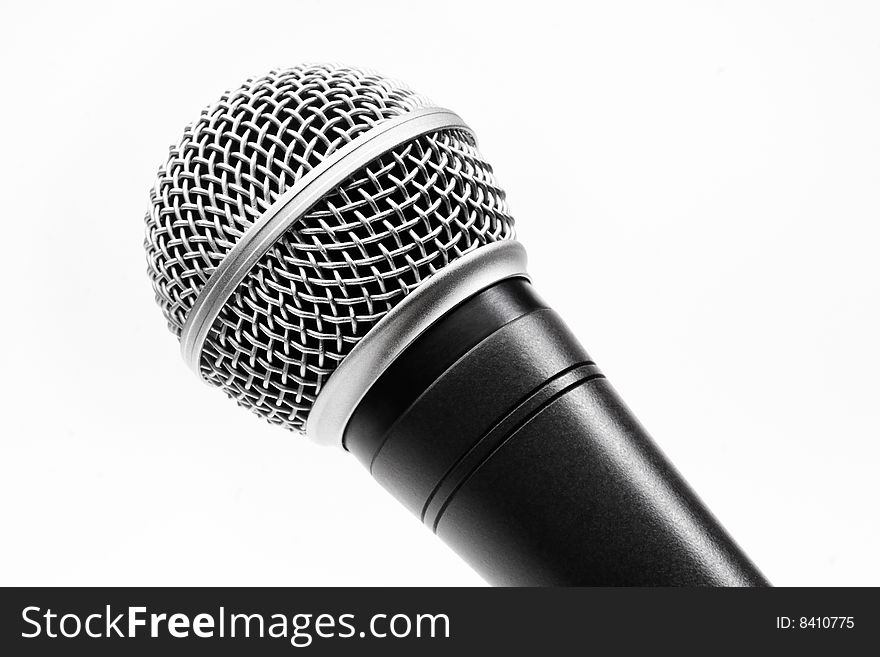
[342,266]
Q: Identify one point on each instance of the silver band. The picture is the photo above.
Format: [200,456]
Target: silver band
[392,334]
[291,206]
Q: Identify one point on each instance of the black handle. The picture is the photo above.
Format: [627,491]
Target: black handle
[497,429]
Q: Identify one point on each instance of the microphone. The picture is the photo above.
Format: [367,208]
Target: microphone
[334,253]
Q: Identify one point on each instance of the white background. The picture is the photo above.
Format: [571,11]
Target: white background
[698,188]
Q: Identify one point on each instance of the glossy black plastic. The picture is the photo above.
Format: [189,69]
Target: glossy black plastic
[497,429]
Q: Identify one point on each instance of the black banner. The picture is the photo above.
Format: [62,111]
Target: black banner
[115,621]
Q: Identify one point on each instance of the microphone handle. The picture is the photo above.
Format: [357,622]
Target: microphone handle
[499,432]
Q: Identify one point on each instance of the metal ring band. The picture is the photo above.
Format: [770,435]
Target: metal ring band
[454,283]
[293,205]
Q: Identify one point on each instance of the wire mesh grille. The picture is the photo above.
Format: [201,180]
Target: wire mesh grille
[242,153]
[334,273]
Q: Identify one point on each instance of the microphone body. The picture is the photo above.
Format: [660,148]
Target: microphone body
[332,251]
[497,429]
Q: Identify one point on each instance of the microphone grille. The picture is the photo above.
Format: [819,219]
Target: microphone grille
[339,269]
